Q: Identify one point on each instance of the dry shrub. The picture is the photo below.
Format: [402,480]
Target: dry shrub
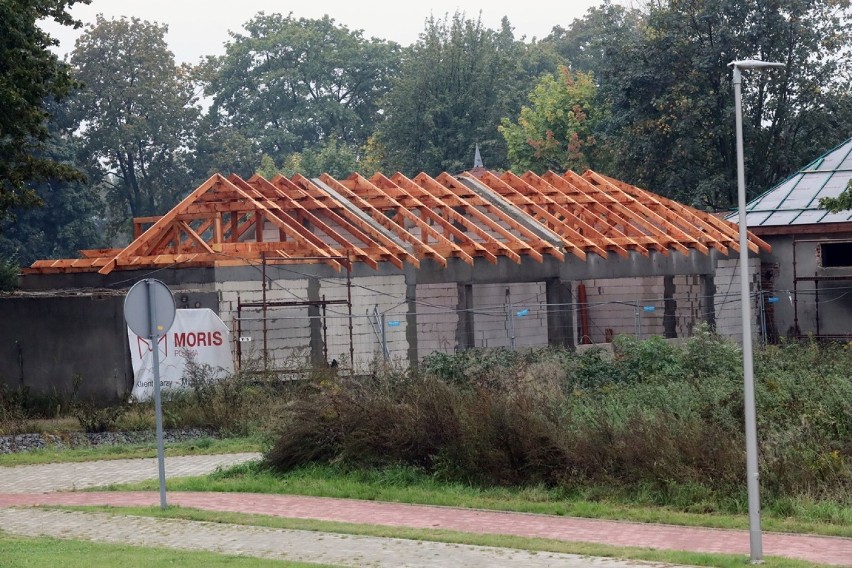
[654,416]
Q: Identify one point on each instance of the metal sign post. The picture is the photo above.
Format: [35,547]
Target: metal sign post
[149,310]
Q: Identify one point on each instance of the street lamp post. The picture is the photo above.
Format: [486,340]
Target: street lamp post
[755,539]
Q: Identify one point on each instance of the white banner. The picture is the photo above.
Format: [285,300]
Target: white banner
[196,334]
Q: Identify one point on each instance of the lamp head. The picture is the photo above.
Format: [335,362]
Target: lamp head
[754,64]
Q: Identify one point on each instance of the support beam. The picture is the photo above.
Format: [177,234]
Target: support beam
[464,329]
[314,323]
[411,319]
[560,313]
[669,308]
[707,302]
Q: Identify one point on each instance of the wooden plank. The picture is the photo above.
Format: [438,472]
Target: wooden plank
[605,214]
[571,218]
[162,224]
[404,212]
[352,223]
[639,208]
[559,226]
[533,241]
[428,205]
[268,210]
[491,244]
[259,181]
[724,231]
[310,195]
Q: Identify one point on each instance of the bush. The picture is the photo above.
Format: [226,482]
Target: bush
[93,416]
[9,270]
[653,415]
[234,404]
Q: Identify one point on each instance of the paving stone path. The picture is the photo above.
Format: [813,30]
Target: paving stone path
[70,476]
[304,546]
[25,486]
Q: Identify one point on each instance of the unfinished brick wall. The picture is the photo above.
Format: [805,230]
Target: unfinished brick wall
[727,302]
[491,320]
[437,318]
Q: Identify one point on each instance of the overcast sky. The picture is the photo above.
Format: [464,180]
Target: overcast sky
[200,27]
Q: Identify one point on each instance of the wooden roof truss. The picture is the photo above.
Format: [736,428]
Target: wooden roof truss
[399,220]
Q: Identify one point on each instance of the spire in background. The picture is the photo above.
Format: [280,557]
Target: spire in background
[477,159]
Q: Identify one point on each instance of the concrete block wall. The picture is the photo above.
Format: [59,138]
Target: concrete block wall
[612,305]
[288,332]
[727,298]
[289,328]
[386,292]
[691,304]
[490,322]
[437,318]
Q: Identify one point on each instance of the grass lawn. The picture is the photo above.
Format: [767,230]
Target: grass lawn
[202,446]
[455,537]
[20,552]
[408,486]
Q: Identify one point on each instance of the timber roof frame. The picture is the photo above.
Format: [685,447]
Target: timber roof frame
[400,220]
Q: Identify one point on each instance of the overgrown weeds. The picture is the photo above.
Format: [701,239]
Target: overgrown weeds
[653,416]
[234,404]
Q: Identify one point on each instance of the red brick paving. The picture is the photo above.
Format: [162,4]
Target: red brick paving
[827,550]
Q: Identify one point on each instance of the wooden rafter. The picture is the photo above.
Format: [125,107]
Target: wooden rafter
[365,227]
[424,249]
[402,220]
[603,215]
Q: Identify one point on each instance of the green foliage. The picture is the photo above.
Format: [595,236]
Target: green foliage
[331,157]
[47,552]
[667,81]
[13,412]
[9,270]
[139,112]
[267,167]
[94,416]
[843,202]
[653,414]
[288,84]
[588,42]
[30,76]
[233,404]
[70,215]
[455,85]
[557,131]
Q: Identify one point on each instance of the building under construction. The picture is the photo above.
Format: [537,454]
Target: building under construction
[391,268]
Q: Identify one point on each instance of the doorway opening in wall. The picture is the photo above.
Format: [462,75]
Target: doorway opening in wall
[822,300]
[835,254]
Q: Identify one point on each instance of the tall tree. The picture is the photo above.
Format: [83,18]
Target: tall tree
[672,127]
[456,84]
[557,131]
[586,44]
[289,84]
[70,215]
[30,74]
[137,115]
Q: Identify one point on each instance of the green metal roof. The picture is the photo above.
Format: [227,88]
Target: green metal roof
[795,201]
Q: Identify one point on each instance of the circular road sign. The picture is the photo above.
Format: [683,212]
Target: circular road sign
[149,308]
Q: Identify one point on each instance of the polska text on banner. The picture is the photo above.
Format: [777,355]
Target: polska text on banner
[196,334]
